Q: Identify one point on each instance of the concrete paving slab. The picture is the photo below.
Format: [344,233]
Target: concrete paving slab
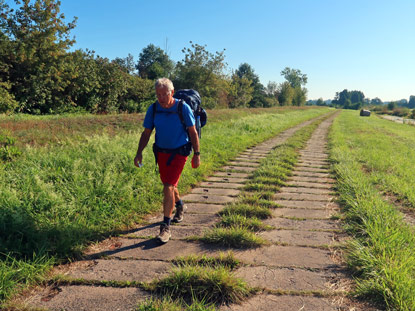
[286,256]
[89,298]
[227,179]
[288,278]
[231,175]
[266,302]
[303,213]
[305,168]
[304,190]
[300,237]
[207,198]
[303,196]
[309,224]
[312,179]
[152,249]
[243,163]
[238,168]
[303,204]
[221,185]
[202,208]
[177,232]
[248,159]
[310,184]
[204,220]
[216,191]
[296,172]
[122,270]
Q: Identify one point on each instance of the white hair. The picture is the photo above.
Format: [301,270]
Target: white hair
[164,82]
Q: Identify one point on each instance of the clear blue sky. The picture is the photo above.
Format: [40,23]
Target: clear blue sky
[366,45]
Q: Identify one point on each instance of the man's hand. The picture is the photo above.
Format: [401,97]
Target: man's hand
[138,159]
[196,161]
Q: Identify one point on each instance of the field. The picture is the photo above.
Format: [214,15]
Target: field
[374,163]
[75,181]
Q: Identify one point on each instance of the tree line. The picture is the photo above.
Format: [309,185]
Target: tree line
[40,75]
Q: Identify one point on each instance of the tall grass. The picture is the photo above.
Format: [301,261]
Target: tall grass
[55,199]
[383,252]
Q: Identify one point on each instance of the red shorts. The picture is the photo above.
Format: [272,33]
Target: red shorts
[170,174]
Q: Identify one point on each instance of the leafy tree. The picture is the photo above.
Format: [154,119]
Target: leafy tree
[349,100]
[153,63]
[201,70]
[38,41]
[411,103]
[320,102]
[392,105]
[241,90]
[294,77]
[126,64]
[285,94]
[300,96]
[376,101]
[258,96]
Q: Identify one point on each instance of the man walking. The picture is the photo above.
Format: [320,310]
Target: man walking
[171,148]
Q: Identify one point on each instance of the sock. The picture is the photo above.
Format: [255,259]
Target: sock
[167,220]
[179,203]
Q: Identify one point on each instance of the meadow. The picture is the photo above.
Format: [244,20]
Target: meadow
[75,183]
[374,163]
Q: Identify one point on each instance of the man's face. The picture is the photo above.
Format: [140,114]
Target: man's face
[164,96]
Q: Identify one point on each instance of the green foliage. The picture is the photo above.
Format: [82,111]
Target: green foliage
[7,101]
[226,260]
[8,150]
[294,77]
[349,99]
[200,70]
[240,91]
[38,40]
[154,63]
[167,304]
[245,71]
[285,94]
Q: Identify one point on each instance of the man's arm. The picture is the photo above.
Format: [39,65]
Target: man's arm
[145,137]
[194,138]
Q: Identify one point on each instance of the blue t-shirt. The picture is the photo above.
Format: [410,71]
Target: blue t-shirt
[170,133]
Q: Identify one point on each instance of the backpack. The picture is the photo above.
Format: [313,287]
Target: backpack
[192,98]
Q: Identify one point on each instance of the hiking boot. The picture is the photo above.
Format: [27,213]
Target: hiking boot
[178,216]
[164,234]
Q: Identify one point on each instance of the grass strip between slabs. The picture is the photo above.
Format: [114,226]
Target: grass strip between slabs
[382,253]
[242,219]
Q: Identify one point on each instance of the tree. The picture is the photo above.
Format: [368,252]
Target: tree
[153,63]
[320,102]
[201,70]
[126,64]
[37,41]
[411,103]
[376,101]
[285,94]
[294,77]
[258,96]
[240,93]
[349,100]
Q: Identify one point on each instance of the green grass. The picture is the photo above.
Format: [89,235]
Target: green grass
[236,237]
[82,187]
[226,260]
[383,251]
[168,304]
[212,285]
[235,220]
[246,210]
